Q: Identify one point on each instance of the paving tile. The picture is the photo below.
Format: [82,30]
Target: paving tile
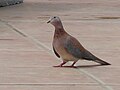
[42,75]
[50,87]
[11,40]
[26,59]
[28,66]
[109,75]
[37,31]
[116,87]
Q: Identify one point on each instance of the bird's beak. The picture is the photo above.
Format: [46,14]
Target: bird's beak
[48,21]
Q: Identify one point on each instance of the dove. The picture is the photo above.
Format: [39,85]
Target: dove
[68,48]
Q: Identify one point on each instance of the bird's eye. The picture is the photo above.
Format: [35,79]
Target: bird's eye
[54,17]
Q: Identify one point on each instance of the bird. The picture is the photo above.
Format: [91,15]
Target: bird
[68,48]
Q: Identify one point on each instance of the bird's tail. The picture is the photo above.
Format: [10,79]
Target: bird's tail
[101,62]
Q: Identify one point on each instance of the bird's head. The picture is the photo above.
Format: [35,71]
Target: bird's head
[55,21]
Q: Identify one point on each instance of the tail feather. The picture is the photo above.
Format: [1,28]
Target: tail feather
[89,56]
[101,62]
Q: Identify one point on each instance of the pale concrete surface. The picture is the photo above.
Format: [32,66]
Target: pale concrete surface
[27,65]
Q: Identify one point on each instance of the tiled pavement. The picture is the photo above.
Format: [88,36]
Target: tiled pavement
[26,56]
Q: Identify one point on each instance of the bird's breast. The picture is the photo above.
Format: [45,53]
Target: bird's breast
[60,49]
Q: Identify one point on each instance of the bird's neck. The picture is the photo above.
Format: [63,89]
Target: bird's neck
[58,25]
[59,32]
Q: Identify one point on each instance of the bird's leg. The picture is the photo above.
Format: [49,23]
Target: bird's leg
[74,64]
[61,64]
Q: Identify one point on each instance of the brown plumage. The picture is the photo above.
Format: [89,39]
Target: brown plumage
[68,48]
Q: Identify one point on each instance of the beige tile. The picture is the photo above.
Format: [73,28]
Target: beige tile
[26,59]
[108,74]
[50,87]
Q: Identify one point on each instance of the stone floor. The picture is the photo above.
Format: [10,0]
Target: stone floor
[26,56]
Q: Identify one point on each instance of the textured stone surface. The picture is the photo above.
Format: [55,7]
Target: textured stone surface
[9,2]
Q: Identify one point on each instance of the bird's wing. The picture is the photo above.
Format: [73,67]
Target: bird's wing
[89,56]
[73,47]
[56,52]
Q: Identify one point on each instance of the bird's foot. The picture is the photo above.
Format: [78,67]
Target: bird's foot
[61,65]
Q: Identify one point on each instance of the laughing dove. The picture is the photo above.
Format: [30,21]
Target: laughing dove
[68,48]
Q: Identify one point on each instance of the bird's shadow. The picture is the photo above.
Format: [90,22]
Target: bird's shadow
[83,66]
[88,66]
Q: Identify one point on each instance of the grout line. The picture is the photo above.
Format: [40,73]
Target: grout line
[19,50]
[70,21]
[100,82]
[52,84]
[46,48]
[16,30]
[48,84]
